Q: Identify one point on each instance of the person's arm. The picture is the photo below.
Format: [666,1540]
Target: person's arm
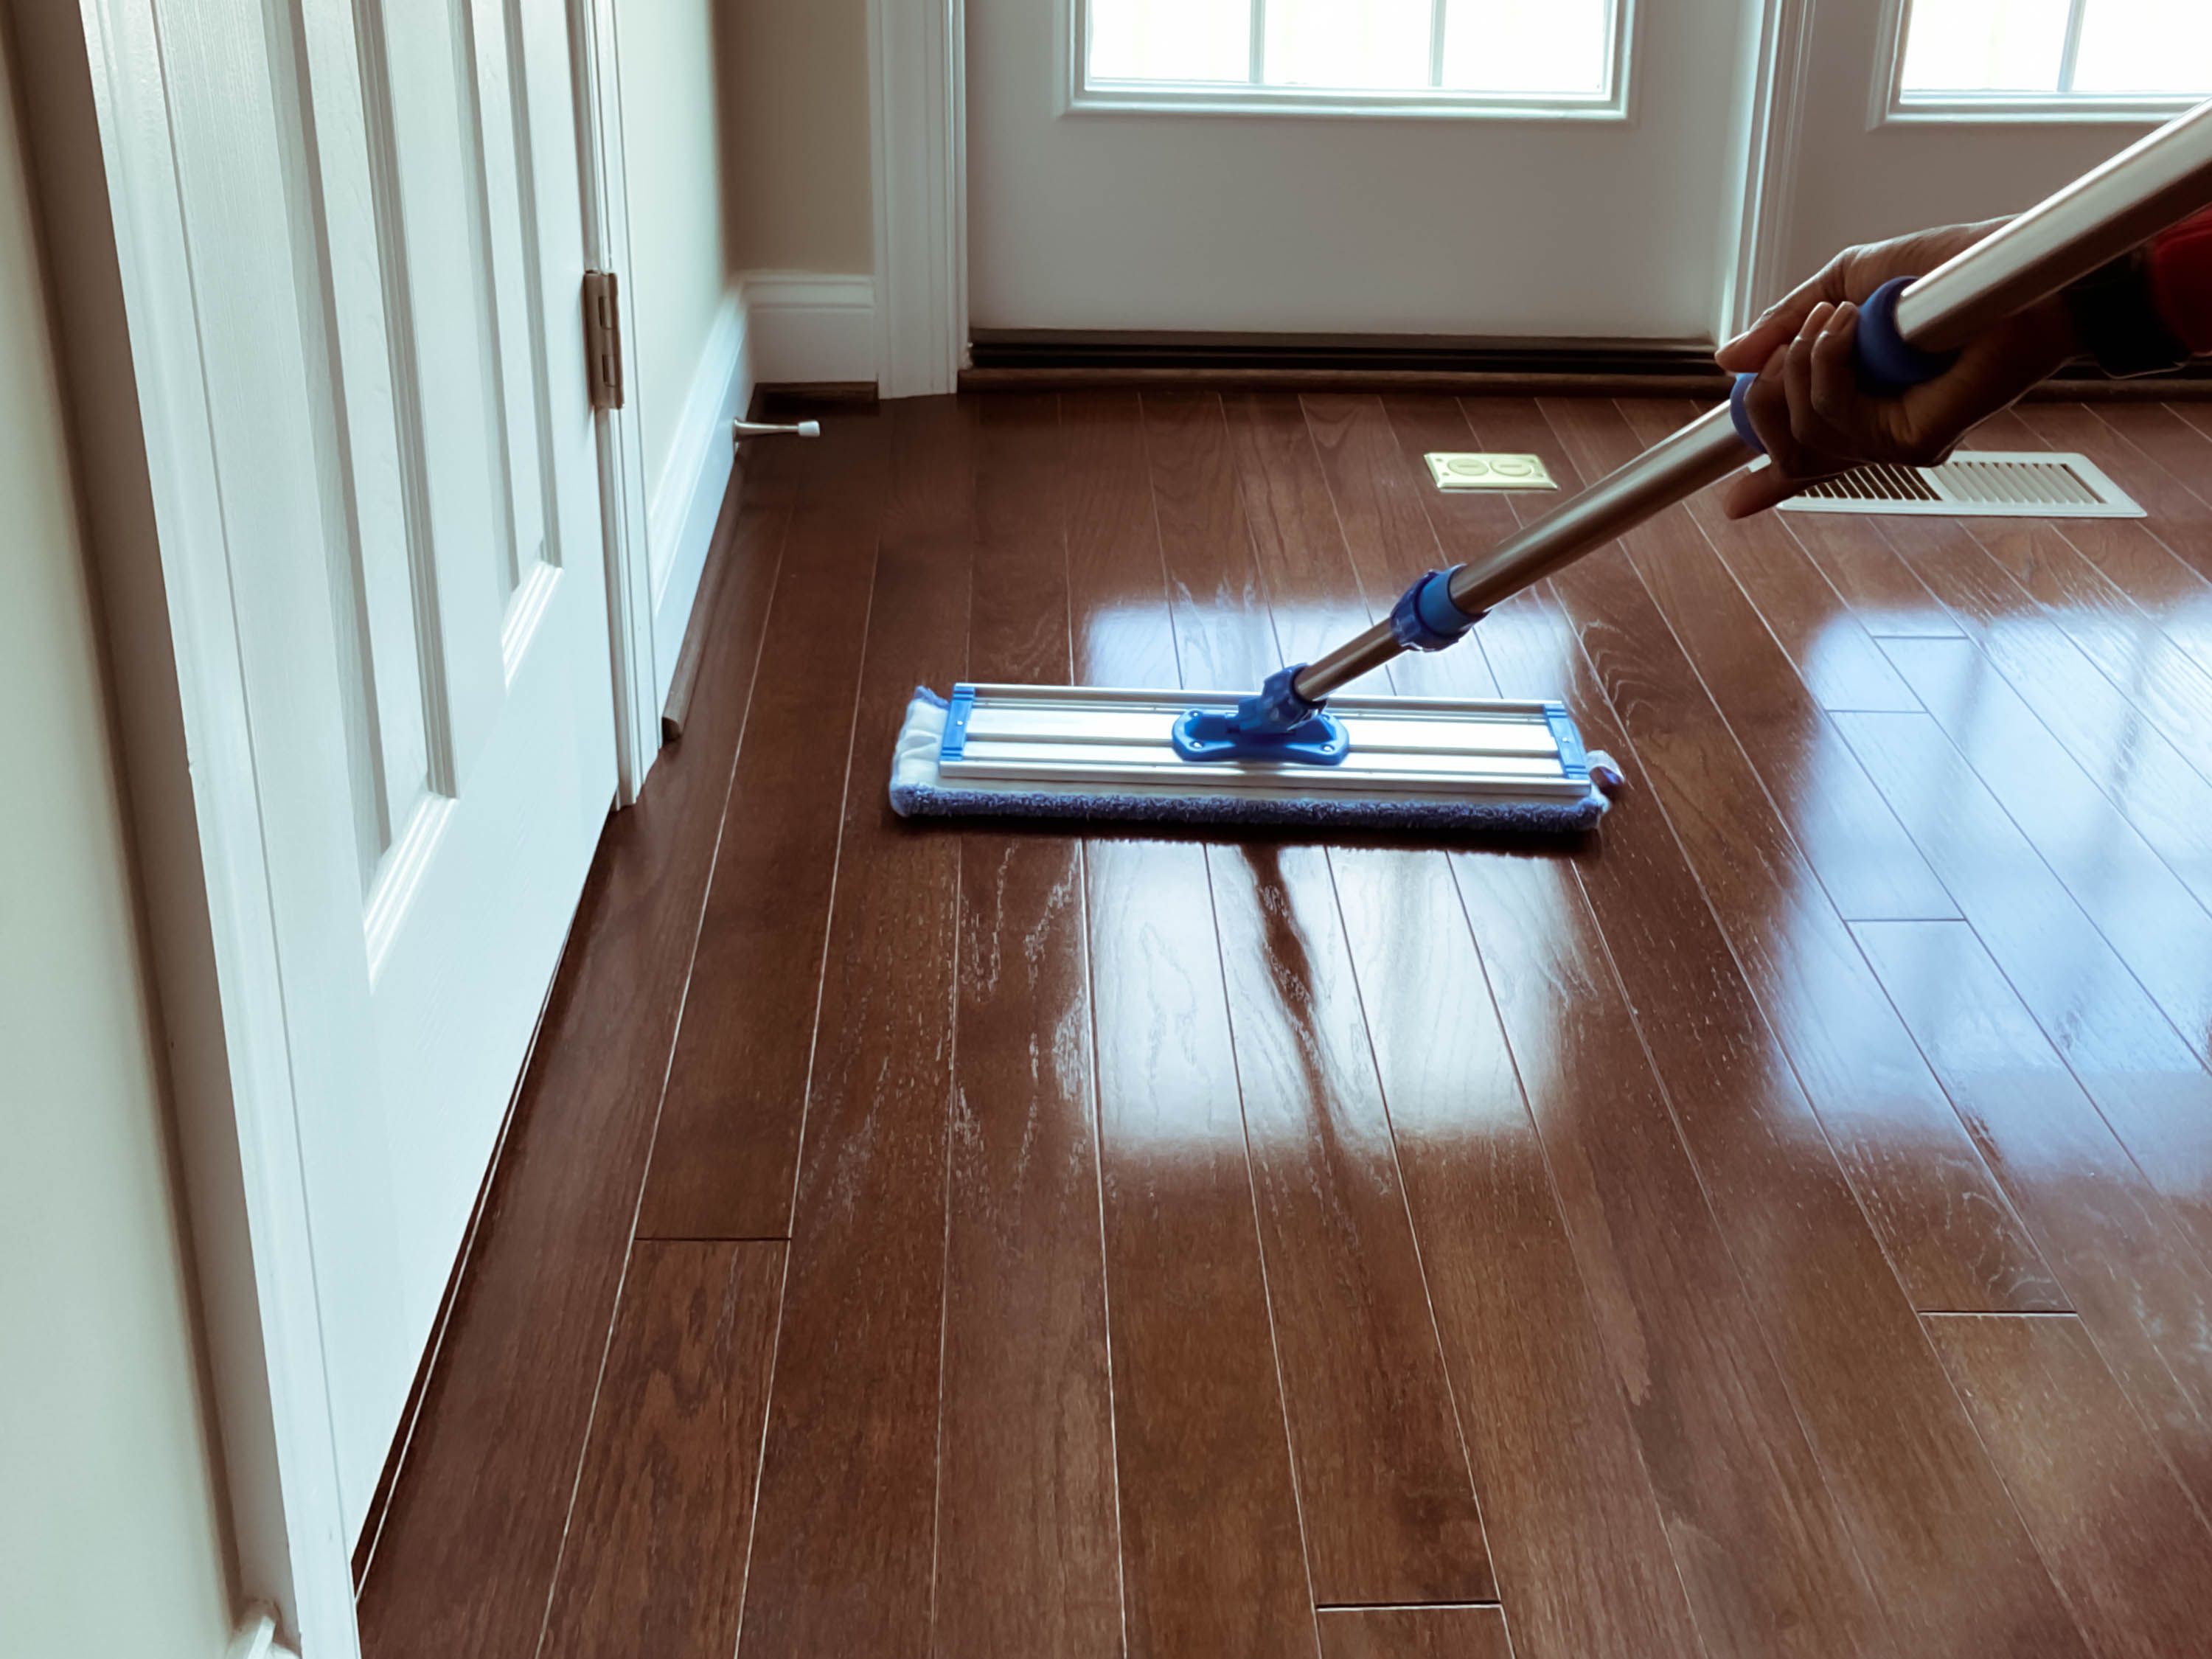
[2149,311]
[2181,282]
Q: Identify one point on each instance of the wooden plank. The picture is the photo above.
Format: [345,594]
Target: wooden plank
[843,1547]
[2163,462]
[1943,1223]
[2135,898]
[1926,1518]
[655,1561]
[1575,1539]
[1389,1508]
[2143,1291]
[727,1152]
[2189,415]
[2053,588]
[467,1555]
[2133,1557]
[1313,591]
[1384,497]
[2171,436]
[1888,599]
[1853,842]
[1918,1505]
[2127,551]
[2124,1043]
[1414,1633]
[2152,666]
[1211,1542]
[1389,1503]
[1028,1545]
[1211,1545]
[1119,629]
[1822,635]
[1224,639]
[2094,721]
[1727,1455]
[1768,1564]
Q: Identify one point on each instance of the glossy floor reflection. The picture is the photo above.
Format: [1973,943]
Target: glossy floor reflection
[1780,1226]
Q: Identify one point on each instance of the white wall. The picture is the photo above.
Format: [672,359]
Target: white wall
[110,1525]
[680,271]
[797,160]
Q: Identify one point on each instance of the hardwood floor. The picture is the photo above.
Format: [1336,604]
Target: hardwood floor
[1781,1225]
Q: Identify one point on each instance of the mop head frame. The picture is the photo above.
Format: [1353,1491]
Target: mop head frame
[1452,768]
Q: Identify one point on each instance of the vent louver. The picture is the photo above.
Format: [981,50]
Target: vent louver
[1976,484]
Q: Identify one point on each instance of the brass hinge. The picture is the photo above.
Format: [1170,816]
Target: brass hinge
[603,343]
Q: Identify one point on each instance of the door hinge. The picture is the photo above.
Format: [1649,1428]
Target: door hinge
[603,341]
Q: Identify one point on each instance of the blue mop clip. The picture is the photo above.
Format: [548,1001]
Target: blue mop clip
[1278,724]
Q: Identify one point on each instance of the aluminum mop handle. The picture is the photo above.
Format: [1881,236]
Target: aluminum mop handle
[1907,333]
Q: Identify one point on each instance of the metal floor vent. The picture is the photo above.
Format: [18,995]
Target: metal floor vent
[1976,484]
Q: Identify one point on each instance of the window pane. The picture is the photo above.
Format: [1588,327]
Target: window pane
[1348,43]
[2146,46]
[1985,46]
[1170,40]
[1527,46]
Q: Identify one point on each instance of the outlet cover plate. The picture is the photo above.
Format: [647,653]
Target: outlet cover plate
[1456,470]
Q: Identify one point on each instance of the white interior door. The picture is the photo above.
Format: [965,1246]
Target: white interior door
[436,203]
[1919,112]
[1477,168]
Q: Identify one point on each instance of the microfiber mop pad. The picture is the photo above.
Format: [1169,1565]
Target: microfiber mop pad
[1202,797]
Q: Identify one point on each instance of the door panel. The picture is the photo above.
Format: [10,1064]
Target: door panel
[1563,224]
[442,216]
[446,385]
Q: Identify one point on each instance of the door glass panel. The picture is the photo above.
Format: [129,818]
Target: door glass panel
[1171,40]
[1985,46]
[2117,48]
[1474,48]
[1328,43]
[2145,46]
[1527,46]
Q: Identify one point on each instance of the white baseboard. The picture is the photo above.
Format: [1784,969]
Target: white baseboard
[687,499]
[810,327]
[256,1638]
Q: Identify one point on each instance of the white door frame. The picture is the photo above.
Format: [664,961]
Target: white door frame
[193,403]
[917,95]
[191,392]
[1777,67]
[625,492]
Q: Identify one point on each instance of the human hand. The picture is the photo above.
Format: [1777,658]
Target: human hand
[1807,406]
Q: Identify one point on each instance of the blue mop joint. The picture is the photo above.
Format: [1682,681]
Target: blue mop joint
[1276,723]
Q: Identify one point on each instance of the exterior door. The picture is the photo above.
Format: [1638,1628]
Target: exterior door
[1474,168]
[1919,112]
[435,199]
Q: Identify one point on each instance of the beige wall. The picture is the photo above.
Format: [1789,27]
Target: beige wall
[111,1529]
[679,270]
[798,160]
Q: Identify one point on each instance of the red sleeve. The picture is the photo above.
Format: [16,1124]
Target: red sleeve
[2181,282]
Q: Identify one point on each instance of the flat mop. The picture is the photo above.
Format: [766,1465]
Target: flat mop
[1295,754]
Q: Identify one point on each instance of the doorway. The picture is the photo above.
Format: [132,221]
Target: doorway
[1466,168]
[1592,173]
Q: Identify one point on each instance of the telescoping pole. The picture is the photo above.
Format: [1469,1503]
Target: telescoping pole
[1906,332]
